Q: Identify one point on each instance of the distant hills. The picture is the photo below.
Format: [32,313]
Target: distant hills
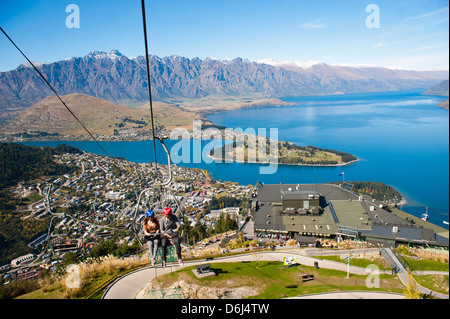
[441,89]
[116,78]
[49,119]
[444,104]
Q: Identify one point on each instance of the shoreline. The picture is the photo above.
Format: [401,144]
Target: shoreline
[292,164]
[402,202]
[189,138]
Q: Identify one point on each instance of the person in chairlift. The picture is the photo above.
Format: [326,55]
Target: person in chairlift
[170,226]
[152,234]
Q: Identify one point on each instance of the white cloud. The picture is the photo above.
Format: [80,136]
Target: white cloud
[429,14]
[379,45]
[307,64]
[355,65]
[426,48]
[314,24]
[286,63]
[310,63]
[421,62]
[428,36]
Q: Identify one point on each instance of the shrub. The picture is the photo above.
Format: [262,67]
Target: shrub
[440,254]
[253,243]
[97,267]
[18,287]
[291,242]
[403,250]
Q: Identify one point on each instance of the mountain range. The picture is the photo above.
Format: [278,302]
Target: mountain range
[116,78]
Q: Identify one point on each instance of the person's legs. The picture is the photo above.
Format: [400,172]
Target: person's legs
[176,243]
[155,249]
[164,241]
[150,248]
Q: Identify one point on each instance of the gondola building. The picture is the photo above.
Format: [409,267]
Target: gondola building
[313,212]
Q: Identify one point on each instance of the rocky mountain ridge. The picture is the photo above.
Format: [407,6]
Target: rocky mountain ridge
[119,79]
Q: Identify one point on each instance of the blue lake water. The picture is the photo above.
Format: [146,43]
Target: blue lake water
[401,138]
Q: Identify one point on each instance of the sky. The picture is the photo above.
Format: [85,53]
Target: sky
[401,34]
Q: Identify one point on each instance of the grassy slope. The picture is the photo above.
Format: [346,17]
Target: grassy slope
[98,116]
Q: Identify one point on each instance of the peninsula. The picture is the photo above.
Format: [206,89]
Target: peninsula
[288,154]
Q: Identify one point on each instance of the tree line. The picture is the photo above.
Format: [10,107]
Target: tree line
[377,190]
[19,162]
[193,234]
[311,150]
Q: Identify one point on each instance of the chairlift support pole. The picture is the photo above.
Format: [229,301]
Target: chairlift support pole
[163,184]
[348,265]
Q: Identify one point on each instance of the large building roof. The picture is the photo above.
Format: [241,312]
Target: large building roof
[351,213]
[338,208]
[273,192]
[405,234]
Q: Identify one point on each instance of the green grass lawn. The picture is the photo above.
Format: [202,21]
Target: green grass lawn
[275,281]
[418,264]
[437,283]
[55,292]
[361,262]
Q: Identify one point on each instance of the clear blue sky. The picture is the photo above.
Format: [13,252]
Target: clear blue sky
[413,34]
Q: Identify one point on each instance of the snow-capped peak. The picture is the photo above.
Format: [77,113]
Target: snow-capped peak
[303,65]
[28,65]
[113,54]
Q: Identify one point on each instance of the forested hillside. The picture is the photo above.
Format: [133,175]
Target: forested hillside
[377,190]
[22,163]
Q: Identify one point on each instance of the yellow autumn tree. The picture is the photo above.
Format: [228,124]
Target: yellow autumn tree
[411,291]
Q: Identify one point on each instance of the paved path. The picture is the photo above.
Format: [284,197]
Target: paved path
[402,272]
[128,286]
[405,279]
[429,272]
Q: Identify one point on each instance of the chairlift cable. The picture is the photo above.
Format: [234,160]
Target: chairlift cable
[49,85]
[148,80]
[164,183]
[161,139]
[437,213]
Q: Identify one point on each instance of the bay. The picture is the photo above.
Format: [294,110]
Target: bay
[401,139]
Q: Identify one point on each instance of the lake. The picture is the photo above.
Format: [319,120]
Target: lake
[401,138]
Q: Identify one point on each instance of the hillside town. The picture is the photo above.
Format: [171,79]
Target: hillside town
[98,202]
[104,199]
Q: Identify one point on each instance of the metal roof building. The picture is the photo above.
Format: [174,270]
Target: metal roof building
[305,211]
